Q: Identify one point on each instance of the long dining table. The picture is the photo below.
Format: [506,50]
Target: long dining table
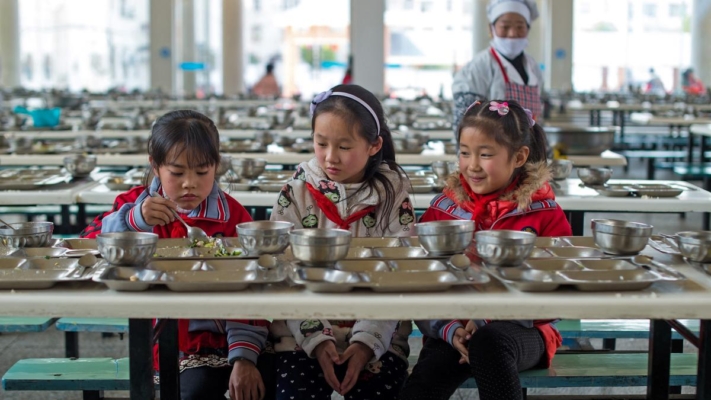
[494,300]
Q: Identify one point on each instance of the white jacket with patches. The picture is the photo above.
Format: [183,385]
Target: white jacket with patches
[295,204]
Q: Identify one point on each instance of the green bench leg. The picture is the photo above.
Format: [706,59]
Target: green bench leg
[71,344]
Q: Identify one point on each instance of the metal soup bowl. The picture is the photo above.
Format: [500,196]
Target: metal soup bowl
[320,247]
[594,176]
[620,237]
[80,166]
[127,248]
[561,169]
[264,237]
[26,234]
[445,237]
[504,247]
[695,245]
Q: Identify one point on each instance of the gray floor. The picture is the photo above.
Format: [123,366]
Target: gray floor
[14,347]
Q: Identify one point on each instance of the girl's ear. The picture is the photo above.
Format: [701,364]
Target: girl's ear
[375,148]
[521,156]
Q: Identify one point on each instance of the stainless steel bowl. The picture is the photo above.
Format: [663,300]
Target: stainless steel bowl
[79,166]
[620,237]
[578,140]
[127,248]
[695,245]
[248,168]
[120,183]
[441,169]
[320,247]
[26,234]
[594,176]
[224,166]
[445,237]
[264,237]
[504,247]
[561,169]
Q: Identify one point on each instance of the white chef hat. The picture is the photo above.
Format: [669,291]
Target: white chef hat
[527,8]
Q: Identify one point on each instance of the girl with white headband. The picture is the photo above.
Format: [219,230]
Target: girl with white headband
[353,183]
[504,70]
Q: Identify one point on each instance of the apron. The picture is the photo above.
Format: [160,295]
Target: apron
[528,96]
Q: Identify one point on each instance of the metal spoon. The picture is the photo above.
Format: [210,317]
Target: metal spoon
[194,233]
[8,225]
[85,261]
[647,262]
[461,263]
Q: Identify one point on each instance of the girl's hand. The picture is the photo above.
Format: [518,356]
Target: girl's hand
[246,381]
[356,355]
[327,355]
[459,342]
[157,211]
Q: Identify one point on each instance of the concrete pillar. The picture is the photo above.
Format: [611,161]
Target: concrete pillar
[163,65]
[700,43]
[536,37]
[9,44]
[480,26]
[188,45]
[232,59]
[558,18]
[368,44]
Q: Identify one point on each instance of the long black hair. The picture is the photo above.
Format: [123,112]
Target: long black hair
[357,116]
[511,131]
[184,130]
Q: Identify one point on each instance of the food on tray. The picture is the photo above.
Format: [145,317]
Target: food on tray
[211,243]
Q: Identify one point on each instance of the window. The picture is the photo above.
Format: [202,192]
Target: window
[89,44]
[649,10]
[426,6]
[677,10]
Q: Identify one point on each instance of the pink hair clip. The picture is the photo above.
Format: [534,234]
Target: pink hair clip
[501,108]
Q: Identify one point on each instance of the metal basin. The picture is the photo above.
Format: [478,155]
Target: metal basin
[127,248]
[620,237]
[26,234]
[594,176]
[504,247]
[695,245]
[320,247]
[561,169]
[577,140]
[224,166]
[249,168]
[264,237]
[445,237]
[79,166]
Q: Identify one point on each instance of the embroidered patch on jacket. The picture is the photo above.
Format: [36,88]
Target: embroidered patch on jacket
[530,229]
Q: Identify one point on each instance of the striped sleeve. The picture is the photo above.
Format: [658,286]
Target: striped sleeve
[245,340]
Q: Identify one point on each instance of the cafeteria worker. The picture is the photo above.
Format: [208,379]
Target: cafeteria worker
[504,70]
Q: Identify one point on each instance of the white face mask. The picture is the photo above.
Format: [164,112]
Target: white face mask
[508,47]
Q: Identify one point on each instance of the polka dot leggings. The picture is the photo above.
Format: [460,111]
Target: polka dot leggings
[300,377]
[497,352]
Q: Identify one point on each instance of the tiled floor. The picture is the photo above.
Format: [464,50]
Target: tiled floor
[14,347]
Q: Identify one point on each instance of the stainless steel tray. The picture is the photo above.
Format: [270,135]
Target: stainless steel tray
[375,242]
[553,265]
[664,245]
[209,281]
[429,281]
[197,253]
[412,241]
[399,252]
[575,252]
[322,280]
[359,252]
[31,278]
[610,280]
[127,279]
[417,265]
[33,183]
[607,265]
[77,244]
[12,262]
[10,251]
[199,265]
[362,266]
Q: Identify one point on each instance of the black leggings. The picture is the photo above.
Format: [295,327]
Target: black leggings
[209,383]
[497,352]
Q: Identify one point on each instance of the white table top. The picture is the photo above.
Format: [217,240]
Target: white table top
[663,300]
[64,194]
[571,197]
[607,158]
[701,129]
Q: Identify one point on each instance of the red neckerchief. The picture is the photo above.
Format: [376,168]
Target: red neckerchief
[329,209]
[479,203]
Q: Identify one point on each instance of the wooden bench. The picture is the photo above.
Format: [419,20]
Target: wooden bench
[94,375]
[25,324]
[72,327]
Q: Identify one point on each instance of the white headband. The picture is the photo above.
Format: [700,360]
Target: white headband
[526,8]
[324,95]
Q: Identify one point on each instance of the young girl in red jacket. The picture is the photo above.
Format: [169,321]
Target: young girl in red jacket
[502,183]
[215,355]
